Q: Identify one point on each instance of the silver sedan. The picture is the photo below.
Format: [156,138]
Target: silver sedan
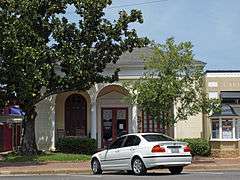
[138,152]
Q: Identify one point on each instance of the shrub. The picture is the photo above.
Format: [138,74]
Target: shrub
[199,146]
[76,145]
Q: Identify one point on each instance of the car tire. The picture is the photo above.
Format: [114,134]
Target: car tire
[96,167]
[176,170]
[138,167]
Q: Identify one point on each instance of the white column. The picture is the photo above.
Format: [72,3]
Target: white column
[175,125]
[220,128]
[53,123]
[234,126]
[93,120]
[134,119]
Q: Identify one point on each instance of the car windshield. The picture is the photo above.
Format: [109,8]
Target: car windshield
[156,137]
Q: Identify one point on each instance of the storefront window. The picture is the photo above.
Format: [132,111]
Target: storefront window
[237,129]
[227,129]
[215,129]
[150,125]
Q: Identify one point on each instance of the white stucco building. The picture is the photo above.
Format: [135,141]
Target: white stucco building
[102,112]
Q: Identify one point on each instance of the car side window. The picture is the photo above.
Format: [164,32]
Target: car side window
[117,144]
[132,141]
[156,137]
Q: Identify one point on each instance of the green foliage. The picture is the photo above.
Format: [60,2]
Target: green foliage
[42,53]
[80,52]
[173,79]
[45,157]
[199,146]
[76,145]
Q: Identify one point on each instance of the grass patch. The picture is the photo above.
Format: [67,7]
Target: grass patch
[46,157]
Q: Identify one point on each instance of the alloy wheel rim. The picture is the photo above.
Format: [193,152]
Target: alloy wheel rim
[137,166]
[95,166]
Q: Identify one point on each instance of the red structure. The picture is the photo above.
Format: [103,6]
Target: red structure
[10,128]
[5,137]
[10,135]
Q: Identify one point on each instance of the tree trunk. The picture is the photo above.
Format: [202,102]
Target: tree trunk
[28,144]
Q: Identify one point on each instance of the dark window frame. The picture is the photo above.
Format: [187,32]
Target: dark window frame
[145,136]
[124,139]
[139,141]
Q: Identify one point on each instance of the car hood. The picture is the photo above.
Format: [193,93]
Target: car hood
[100,153]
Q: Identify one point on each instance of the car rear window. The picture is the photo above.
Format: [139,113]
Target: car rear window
[156,137]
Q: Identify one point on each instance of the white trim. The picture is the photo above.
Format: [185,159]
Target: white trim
[213,95]
[212,84]
[94,120]
[225,74]
[129,77]
[236,120]
[134,119]
[53,121]
[234,124]
[224,117]
[220,128]
[225,140]
[175,125]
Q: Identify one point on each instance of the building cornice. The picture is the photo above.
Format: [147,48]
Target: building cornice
[223,73]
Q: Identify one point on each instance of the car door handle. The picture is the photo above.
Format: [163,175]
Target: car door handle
[133,149]
[116,151]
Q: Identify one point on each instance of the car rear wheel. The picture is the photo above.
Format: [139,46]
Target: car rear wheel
[96,167]
[138,166]
[176,170]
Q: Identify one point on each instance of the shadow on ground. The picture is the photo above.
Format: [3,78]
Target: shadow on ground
[148,174]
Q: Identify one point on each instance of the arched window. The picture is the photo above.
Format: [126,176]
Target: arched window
[76,115]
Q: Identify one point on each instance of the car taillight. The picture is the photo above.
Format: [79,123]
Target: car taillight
[187,149]
[157,149]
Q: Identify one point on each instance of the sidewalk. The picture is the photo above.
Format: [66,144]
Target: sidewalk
[44,168]
[202,164]
[218,164]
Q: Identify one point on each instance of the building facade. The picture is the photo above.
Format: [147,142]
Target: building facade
[223,128]
[103,112]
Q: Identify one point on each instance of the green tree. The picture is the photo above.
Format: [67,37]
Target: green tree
[172,79]
[42,53]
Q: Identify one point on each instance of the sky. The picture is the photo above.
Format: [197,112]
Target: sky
[213,26]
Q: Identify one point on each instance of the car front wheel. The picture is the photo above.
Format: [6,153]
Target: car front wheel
[96,167]
[138,167]
[176,170]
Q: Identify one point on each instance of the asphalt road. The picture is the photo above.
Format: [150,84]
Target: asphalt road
[235,175]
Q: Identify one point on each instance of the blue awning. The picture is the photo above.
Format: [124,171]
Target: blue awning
[16,111]
[228,110]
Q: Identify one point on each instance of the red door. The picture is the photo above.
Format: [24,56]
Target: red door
[114,123]
[7,139]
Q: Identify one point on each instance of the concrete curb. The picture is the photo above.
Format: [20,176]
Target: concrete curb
[2,173]
[191,168]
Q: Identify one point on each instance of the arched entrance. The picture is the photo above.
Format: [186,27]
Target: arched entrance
[114,113]
[76,115]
